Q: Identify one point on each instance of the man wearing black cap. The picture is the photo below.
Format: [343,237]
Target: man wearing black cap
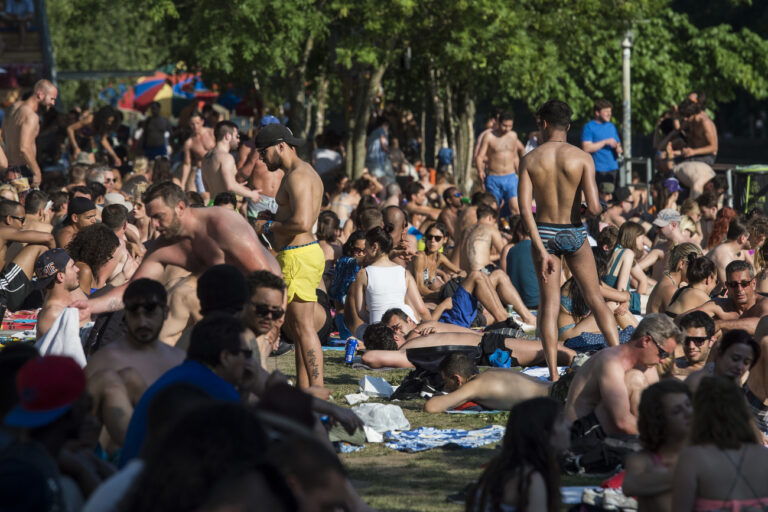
[82,213]
[58,275]
[301,259]
[620,207]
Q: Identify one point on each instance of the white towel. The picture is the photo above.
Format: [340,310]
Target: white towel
[63,338]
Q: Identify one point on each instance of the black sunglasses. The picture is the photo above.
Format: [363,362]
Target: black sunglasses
[148,308]
[265,310]
[21,219]
[663,354]
[730,284]
[357,250]
[696,340]
[436,238]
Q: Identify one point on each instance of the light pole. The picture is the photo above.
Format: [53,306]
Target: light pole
[626,52]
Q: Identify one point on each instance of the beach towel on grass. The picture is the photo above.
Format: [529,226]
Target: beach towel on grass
[426,438]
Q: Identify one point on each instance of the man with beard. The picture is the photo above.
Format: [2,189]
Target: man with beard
[193,239]
[119,373]
[195,148]
[218,166]
[20,130]
[251,168]
[301,259]
[736,354]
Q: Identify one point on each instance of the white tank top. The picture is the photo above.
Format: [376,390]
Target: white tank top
[385,290]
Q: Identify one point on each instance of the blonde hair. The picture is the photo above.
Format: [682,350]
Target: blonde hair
[11,189]
[680,253]
[689,207]
[140,165]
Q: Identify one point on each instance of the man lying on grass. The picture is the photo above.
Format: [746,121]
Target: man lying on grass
[495,388]
[386,348]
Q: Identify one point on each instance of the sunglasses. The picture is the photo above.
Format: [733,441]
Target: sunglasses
[663,354]
[264,310]
[734,284]
[696,340]
[110,180]
[357,250]
[20,219]
[148,308]
[436,238]
[248,353]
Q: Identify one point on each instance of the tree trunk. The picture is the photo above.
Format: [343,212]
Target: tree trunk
[297,78]
[349,121]
[465,142]
[450,117]
[439,109]
[423,130]
[321,102]
[364,96]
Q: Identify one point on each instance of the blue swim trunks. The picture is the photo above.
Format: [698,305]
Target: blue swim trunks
[463,311]
[502,187]
[562,239]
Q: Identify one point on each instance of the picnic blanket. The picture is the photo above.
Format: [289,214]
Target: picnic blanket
[426,438]
[22,320]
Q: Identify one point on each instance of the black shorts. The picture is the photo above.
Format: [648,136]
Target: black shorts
[328,327]
[587,428]
[15,286]
[490,342]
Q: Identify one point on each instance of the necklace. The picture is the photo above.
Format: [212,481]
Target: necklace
[555,141]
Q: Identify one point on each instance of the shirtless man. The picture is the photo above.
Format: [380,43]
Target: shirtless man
[218,166]
[264,311]
[503,150]
[468,218]
[736,354]
[700,132]
[59,276]
[195,148]
[119,372]
[621,206]
[183,306]
[82,213]
[476,255]
[416,206]
[402,324]
[20,129]
[742,308]
[756,387]
[300,257]
[494,389]
[708,207]
[251,168]
[556,174]
[191,238]
[735,247]
[605,392]
[385,347]
[698,337]
[450,214]
[38,212]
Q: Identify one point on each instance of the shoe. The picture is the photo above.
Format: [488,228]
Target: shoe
[281,349]
[592,497]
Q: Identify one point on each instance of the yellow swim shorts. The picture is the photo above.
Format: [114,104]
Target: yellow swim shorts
[303,268]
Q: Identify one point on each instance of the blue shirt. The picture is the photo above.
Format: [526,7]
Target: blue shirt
[522,273]
[190,372]
[604,158]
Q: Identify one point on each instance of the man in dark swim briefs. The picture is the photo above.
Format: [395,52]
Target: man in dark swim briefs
[555,174]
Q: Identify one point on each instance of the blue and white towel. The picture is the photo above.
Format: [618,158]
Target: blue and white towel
[588,341]
[426,438]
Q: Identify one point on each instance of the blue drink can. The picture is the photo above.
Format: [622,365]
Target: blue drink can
[350,348]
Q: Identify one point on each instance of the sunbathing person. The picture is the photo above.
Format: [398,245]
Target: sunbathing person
[385,348]
[605,393]
[737,352]
[698,337]
[702,279]
[403,325]
[426,265]
[664,423]
[495,388]
[674,275]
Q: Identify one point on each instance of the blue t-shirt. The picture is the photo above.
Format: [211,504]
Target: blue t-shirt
[522,273]
[190,372]
[604,158]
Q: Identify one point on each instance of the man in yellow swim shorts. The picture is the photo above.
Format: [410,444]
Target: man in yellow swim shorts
[300,257]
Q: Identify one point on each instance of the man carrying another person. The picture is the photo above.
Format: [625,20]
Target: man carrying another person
[605,393]
[501,149]
[601,139]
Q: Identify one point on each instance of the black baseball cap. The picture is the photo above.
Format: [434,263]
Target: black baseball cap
[48,264]
[275,134]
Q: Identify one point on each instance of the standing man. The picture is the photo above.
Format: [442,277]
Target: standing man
[218,165]
[503,150]
[20,131]
[555,174]
[195,148]
[700,134]
[300,257]
[600,138]
[156,129]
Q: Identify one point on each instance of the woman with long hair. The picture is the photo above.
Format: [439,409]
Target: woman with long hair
[664,422]
[622,265]
[426,265]
[701,276]
[725,464]
[673,278]
[525,475]
[347,267]
[720,227]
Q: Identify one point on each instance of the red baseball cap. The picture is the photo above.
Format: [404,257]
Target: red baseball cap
[47,388]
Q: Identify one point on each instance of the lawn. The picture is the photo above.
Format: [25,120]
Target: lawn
[389,480]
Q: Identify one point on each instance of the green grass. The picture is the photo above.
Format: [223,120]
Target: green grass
[389,480]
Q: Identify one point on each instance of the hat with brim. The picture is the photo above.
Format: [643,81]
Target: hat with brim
[115,198]
[666,216]
[275,134]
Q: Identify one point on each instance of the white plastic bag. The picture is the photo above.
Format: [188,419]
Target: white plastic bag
[382,417]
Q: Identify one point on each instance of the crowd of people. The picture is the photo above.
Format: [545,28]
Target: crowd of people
[182,268]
